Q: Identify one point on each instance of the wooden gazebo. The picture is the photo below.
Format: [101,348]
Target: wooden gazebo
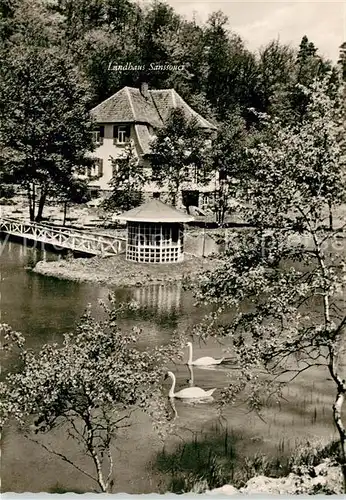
[155,233]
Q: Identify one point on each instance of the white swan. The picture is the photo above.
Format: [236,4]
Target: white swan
[205,361]
[189,392]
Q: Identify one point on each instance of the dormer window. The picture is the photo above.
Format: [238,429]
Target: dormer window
[121,134]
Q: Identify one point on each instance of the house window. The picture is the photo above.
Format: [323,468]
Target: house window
[96,169]
[121,134]
[99,134]
[195,175]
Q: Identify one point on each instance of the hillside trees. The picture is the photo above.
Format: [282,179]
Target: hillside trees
[292,268]
[276,72]
[231,71]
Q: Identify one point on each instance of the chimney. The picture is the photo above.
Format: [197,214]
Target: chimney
[145,90]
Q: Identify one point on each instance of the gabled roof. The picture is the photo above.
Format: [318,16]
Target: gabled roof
[155,211]
[128,105]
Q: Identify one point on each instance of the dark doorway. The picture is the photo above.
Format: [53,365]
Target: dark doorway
[190,198]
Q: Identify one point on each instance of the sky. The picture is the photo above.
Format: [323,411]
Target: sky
[258,22]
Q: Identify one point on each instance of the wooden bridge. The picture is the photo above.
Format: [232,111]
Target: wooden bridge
[64,238]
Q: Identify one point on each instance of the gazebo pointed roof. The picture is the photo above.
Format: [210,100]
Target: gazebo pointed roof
[155,211]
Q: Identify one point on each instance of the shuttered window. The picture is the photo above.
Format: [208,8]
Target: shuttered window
[99,167]
[98,134]
[121,134]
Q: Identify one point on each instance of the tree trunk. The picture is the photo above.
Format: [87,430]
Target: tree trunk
[330,217]
[337,410]
[41,203]
[342,432]
[337,407]
[65,212]
[32,201]
[31,208]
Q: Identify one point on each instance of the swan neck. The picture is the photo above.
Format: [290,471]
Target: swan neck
[190,355]
[190,367]
[171,392]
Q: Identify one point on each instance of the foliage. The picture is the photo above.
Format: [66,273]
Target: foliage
[76,192]
[7,191]
[228,150]
[311,454]
[342,60]
[88,386]
[179,154]
[289,270]
[45,131]
[276,72]
[128,181]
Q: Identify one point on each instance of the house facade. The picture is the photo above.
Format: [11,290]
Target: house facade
[131,116]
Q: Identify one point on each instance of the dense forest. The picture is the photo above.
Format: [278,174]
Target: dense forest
[218,74]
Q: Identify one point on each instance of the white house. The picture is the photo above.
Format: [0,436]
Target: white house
[133,115]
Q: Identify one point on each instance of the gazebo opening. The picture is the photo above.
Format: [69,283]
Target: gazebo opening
[154,242]
[155,233]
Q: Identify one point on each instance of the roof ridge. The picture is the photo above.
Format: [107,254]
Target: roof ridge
[157,109]
[131,103]
[161,90]
[108,98]
[174,101]
[198,115]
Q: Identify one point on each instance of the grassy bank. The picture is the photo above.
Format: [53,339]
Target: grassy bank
[116,271]
[216,459]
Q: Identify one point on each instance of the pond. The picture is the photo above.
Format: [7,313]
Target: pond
[44,308]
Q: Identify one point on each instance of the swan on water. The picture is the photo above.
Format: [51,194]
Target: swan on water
[189,392]
[205,361]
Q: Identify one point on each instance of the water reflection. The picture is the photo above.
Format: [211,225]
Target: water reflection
[159,298]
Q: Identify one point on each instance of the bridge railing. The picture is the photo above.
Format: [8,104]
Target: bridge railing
[72,239]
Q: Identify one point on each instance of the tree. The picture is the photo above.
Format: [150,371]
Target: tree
[45,131]
[76,191]
[179,154]
[309,67]
[87,386]
[128,181]
[276,70]
[289,269]
[342,60]
[227,157]
[232,74]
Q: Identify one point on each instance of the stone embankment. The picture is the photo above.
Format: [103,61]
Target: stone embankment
[117,272]
[325,478]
